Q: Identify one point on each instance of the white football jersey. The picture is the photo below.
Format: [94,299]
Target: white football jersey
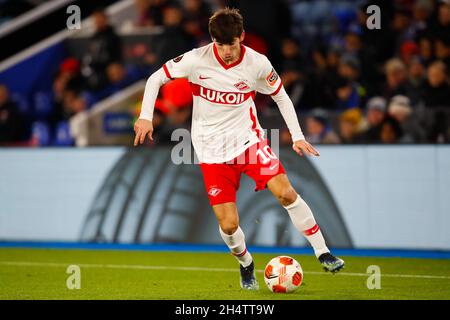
[224,119]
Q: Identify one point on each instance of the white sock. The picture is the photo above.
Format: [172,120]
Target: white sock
[236,243]
[303,220]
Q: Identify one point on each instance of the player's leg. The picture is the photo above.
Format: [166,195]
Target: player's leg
[231,232]
[222,183]
[267,171]
[303,219]
[233,236]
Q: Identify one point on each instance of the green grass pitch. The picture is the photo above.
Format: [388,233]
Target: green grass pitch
[108,274]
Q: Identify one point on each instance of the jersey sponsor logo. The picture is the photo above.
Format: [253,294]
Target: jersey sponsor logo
[221,97]
[232,98]
[272,77]
[178,59]
[242,86]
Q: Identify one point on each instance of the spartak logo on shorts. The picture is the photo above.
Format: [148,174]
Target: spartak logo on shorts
[214,191]
[242,86]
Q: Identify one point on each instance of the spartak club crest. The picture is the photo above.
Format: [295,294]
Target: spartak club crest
[241,86]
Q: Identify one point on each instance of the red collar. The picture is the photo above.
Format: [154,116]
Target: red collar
[223,64]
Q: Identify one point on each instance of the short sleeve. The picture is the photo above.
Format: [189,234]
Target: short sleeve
[268,81]
[181,66]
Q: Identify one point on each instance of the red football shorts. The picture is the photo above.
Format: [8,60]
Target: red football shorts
[222,179]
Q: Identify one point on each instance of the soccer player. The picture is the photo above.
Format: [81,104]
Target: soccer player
[227,137]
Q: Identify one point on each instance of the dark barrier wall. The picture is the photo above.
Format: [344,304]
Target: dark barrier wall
[147,199]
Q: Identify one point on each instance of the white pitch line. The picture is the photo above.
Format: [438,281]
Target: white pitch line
[146,267]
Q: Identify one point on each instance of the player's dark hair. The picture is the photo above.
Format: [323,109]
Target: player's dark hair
[225,25]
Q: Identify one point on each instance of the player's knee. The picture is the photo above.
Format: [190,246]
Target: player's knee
[229,227]
[287,196]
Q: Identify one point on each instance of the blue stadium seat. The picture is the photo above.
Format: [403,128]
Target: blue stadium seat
[43,104]
[90,98]
[22,102]
[40,132]
[62,135]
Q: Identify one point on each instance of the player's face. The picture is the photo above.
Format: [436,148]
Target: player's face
[230,53]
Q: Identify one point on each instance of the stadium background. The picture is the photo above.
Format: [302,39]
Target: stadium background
[376,103]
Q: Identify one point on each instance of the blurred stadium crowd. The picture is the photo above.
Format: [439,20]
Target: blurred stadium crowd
[349,84]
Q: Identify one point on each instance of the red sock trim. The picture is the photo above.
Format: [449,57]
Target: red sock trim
[240,254]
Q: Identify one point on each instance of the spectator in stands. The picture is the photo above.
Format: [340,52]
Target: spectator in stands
[292,56]
[104,48]
[400,109]
[174,40]
[441,26]
[437,97]
[319,130]
[77,105]
[408,50]
[69,104]
[143,13]
[323,77]
[426,51]
[333,68]
[349,67]
[156,11]
[353,44]
[377,46]
[256,42]
[442,50]
[350,122]
[294,84]
[58,89]
[13,125]
[416,80]
[67,79]
[197,13]
[391,131]
[401,22]
[175,108]
[375,115]
[268,20]
[298,85]
[422,10]
[437,88]
[118,78]
[176,95]
[347,94]
[70,69]
[396,78]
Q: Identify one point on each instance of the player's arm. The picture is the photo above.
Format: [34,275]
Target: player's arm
[143,126]
[179,67]
[284,103]
[270,83]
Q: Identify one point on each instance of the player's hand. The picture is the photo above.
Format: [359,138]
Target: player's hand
[142,128]
[304,147]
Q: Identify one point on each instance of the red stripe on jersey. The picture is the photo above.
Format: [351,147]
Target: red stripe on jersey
[223,64]
[167,72]
[253,118]
[230,98]
[278,89]
[311,231]
[239,254]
